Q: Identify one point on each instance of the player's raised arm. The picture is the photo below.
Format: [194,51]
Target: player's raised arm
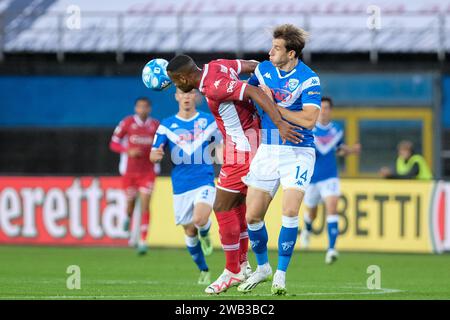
[248,66]
[287,131]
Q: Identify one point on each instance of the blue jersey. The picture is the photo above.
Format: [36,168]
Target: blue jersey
[327,139]
[291,90]
[188,141]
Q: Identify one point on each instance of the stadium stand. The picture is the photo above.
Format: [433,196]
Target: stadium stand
[217,25]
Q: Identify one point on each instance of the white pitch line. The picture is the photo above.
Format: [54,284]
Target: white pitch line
[371,292]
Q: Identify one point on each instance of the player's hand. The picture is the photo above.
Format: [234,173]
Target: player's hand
[267,91]
[356,148]
[385,172]
[134,152]
[156,155]
[288,132]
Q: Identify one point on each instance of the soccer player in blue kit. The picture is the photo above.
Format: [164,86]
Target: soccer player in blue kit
[190,136]
[324,186]
[296,90]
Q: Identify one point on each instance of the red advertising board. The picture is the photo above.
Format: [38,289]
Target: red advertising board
[62,211]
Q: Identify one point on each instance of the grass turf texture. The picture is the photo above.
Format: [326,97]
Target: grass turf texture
[169,274]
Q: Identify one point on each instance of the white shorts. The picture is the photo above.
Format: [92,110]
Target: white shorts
[319,191]
[183,203]
[293,167]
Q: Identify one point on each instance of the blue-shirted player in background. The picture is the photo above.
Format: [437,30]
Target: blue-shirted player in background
[296,90]
[324,186]
[191,136]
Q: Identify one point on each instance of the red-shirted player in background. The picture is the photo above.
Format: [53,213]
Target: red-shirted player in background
[236,116]
[133,139]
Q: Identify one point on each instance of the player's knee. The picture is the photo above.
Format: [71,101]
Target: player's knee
[199,220]
[312,214]
[252,218]
[190,230]
[290,211]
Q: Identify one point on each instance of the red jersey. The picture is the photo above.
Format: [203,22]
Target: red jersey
[133,133]
[236,117]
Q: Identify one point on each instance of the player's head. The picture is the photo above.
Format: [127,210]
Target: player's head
[405,149]
[187,101]
[287,44]
[183,71]
[142,107]
[326,106]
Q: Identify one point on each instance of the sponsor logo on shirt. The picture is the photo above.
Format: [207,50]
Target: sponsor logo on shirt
[231,86]
[281,95]
[135,139]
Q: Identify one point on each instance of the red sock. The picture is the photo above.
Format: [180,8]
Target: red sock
[144,225]
[243,242]
[229,231]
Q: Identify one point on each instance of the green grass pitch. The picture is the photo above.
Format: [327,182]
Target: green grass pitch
[118,273]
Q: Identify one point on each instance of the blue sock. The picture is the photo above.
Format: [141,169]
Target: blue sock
[333,231]
[308,222]
[286,241]
[203,230]
[257,234]
[195,249]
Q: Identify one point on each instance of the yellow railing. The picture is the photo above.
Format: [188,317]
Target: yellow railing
[353,116]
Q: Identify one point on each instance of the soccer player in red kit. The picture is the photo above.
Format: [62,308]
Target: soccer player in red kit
[229,100]
[133,139]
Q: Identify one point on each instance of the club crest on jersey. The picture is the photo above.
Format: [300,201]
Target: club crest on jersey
[293,84]
[201,123]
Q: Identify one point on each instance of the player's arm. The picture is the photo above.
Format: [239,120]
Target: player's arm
[248,66]
[306,118]
[160,140]
[345,150]
[216,145]
[218,152]
[157,154]
[287,131]
[115,144]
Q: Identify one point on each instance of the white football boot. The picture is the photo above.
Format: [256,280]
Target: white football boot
[204,278]
[246,269]
[304,238]
[331,256]
[226,280]
[262,274]
[279,283]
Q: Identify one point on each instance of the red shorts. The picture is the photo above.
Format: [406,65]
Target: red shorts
[230,178]
[132,183]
